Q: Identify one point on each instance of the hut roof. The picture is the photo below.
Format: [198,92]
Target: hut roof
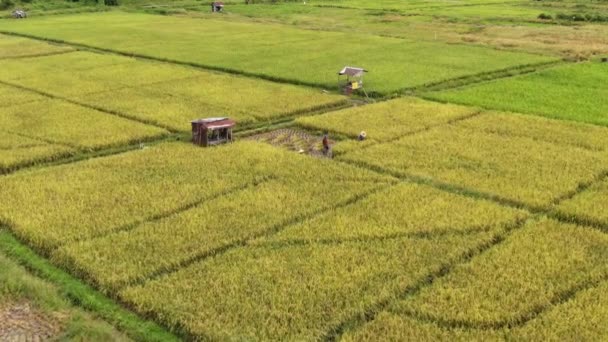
[215,123]
[352,71]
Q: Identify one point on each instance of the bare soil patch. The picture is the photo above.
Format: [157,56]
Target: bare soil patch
[23,322]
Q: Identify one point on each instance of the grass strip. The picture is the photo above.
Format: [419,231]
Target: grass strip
[83,295]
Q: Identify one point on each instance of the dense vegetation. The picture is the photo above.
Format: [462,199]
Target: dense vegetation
[568,92]
[296,61]
[474,209]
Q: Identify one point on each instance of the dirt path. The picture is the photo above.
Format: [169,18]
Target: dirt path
[20,322]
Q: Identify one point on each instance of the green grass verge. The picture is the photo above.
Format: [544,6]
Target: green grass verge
[82,294]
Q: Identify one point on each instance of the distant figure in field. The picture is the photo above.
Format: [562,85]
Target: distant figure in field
[325,144]
[362,136]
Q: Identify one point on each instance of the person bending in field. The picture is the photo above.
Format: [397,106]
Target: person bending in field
[362,136]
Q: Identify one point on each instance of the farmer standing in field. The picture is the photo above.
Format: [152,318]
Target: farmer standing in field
[325,144]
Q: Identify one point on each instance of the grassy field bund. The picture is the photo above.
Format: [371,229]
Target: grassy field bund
[474,209]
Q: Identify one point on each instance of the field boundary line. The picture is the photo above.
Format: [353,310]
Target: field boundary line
[426,129]
[82,273]
[81,295]
[427,96]
[448,187]
[79,155]
[365,239]
[46,141]
[480,78]
[548,210]
[268,21]
[536,139]
[20,147]
[224,70]
[277,79]
[370,314]
[407,11]
[27,102]
[265,233]
[415,12]
[260,124]
[84,105]
[33,163]
[558,299]
[315,110]
[244,130]
[579,220]
[582,187]
[176,211]
[558,215]
[46,54]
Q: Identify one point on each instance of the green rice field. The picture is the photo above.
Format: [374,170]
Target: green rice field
[568,92]
[296,61]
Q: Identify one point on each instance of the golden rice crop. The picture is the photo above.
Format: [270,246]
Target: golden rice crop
[49,66]
[36,128]
[167,95]
[263,100]
[11,47]
[161,109]
[404,209]
[343,146]
[73,125]
[63,84]
[391,326]
[291,292]
[174,103]
[16,150]
[581,318]
[588,205]
[75,60]
[72,202]
[130,72]
[558,132]
[14,96]
[21,156]
[58,205]
[117,259]
[10,141]
[531,270]
[518,168]
[387,120]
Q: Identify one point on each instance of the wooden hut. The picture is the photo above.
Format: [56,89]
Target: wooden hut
[217,6]
[212,131]
[353,81]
